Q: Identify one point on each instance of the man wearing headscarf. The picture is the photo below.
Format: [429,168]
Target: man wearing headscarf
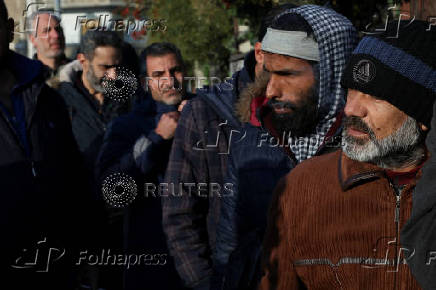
[305,50]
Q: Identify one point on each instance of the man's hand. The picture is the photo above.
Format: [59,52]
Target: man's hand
[167,125]
[182,104]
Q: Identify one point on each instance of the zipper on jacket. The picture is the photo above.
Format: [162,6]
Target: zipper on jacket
[33,169]
[397,192]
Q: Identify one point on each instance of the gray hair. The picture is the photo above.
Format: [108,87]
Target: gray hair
[29,25]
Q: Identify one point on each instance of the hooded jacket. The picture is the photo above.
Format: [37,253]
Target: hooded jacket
[419,234]
[199,155]
[41,182]
[257,162]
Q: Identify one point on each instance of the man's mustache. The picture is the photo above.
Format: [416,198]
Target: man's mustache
[358,124]
[272,103]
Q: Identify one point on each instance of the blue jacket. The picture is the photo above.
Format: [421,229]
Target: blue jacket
[255,166]
[142,228]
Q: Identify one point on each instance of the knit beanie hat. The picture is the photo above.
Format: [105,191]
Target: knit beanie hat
[399,66]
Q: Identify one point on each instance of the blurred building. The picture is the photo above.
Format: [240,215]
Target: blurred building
[243,47]
[77,16]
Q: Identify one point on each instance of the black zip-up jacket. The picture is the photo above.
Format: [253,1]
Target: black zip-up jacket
[419,234]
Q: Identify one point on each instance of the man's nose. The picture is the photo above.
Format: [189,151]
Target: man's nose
[167,80]
[355,104]
[273,88]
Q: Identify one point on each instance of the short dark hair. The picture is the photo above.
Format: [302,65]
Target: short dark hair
[3,11]
[93,39]
[269,17]
[293,22]
[159,49]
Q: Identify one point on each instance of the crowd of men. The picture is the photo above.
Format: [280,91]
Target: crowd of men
[312,168]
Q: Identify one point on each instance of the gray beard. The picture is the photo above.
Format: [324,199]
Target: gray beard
[94,81]
[401,149]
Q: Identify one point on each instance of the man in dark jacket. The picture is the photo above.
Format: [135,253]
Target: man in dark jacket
[199,156]
[86,96]
[336,219]
[418,235]
[41,178]
[138,144]
[304,110]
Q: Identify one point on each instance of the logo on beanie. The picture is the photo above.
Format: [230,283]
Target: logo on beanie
[364,71]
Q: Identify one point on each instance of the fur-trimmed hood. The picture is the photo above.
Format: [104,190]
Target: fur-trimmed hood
[251,99]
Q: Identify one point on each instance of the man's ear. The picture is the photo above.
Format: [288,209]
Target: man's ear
[424,127]
[258,54]
[10,28]
[81,57]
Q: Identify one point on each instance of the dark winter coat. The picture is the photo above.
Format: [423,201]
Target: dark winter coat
[143,217]
[42,185]
[89,118]
[418,236]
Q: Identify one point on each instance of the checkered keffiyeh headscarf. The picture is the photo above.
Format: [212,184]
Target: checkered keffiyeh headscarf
[336,39]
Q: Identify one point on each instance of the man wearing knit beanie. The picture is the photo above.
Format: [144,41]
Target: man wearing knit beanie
[336,220]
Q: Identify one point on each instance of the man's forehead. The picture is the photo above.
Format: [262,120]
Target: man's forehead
[107,53]
[161,62]
[274,61]
[45,18]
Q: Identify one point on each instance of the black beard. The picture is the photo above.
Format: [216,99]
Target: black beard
[301,121]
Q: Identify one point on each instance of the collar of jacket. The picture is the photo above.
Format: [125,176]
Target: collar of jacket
[352,173]
[62,61]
